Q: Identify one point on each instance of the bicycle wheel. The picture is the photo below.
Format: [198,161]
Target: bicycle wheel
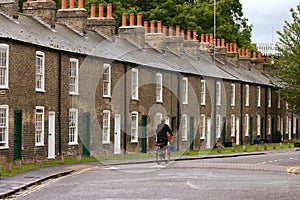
[168,154]
[159,156]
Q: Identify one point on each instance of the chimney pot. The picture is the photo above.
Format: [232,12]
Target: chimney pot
[177,30]
[182,34]
[101,10]
[93,10]
[131,22]
[80,3]
[63,4]
[164,30]
[254,54]
[171,31]
[146,26]
[230,47]
[211,38]
[188,35]
[247,52]
[152,26]
[218,43]
[139,19]
[227,47]
[124,19]
[202,38]
[223,42]
[234,47]
[243,52]
[71,3]
[259,54]
[159,26]
[194,35]
[109,10]
[207,38]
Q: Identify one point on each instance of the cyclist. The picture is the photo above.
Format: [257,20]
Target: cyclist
[162,132]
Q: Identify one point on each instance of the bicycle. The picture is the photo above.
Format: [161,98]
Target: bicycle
[160,153]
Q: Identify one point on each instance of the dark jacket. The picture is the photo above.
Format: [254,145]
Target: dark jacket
[161,131]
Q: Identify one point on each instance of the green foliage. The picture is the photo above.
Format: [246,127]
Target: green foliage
[288,61]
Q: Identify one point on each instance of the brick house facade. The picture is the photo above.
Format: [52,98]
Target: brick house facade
[74,87]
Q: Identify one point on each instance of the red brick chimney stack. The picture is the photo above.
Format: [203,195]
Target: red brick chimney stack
[93,10]
[124,19]
[139,19]
[109,10]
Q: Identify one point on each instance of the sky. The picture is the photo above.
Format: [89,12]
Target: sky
[267,17]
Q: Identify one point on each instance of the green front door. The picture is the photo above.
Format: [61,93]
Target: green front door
[144,134]
[86,134]
[224,131]
[17,134]
[192,133]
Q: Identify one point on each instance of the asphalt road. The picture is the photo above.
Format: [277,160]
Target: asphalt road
[250,177]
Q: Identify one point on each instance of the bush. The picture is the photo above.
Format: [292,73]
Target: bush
[276,138]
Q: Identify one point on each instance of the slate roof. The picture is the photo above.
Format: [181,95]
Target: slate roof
[30,29]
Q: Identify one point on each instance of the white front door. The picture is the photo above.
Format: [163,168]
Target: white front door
[208,142]
[51,135]
[237,132]
[117,134]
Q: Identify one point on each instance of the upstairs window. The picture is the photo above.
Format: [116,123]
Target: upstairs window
[39,125]
[40,71]
[279,101]
[135,84]
[218,93]
[185,90]
[106,127]
[269,97]
[202,92]
[106,80]
[159,93]
[73,126]
[247,95]
[258,96]
[74,76]
[4,63]
[3,126]
[232,94]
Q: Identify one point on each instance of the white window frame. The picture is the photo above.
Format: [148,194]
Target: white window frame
[202,126]
[218,93]
[281,126]
[73,126]
[159,88]
[106,127]
[134,127]
[278,123]
[106,80]
[258,96]
[184,126]
[203,93]
[135,84]
[237,128]
[4,126]
[287,125]
[286,105]
[4,69]
[258,125]
[185,90]
[74,77]
[269,124]
[290,128]
[279,101]
[247,95]
[294,125]
[232,125]
[40,74]
[39,125]
[269,97]
[246,125]
[232,94]
[218,125]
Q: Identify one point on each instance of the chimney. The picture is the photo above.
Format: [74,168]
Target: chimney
[133,33]
[75,17]
[191,46]
[10,7]
[102,24]
[156,36]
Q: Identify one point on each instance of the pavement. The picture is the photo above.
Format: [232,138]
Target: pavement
[19,182]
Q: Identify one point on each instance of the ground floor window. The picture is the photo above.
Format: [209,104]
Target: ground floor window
[3,126]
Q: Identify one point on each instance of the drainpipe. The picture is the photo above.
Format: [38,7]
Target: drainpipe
[266,112]
[125,107]
[215,113]
[59,102]
[178,110]
[241,109]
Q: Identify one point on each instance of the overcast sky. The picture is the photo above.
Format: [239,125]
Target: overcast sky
[267,17]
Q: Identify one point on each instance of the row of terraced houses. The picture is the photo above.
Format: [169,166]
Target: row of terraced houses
[70,86]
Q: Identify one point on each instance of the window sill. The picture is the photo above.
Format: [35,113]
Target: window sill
[134,142]
[4,147]
[39,145]
[73,143]
[202,138]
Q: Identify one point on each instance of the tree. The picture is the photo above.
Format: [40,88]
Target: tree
[289,63]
